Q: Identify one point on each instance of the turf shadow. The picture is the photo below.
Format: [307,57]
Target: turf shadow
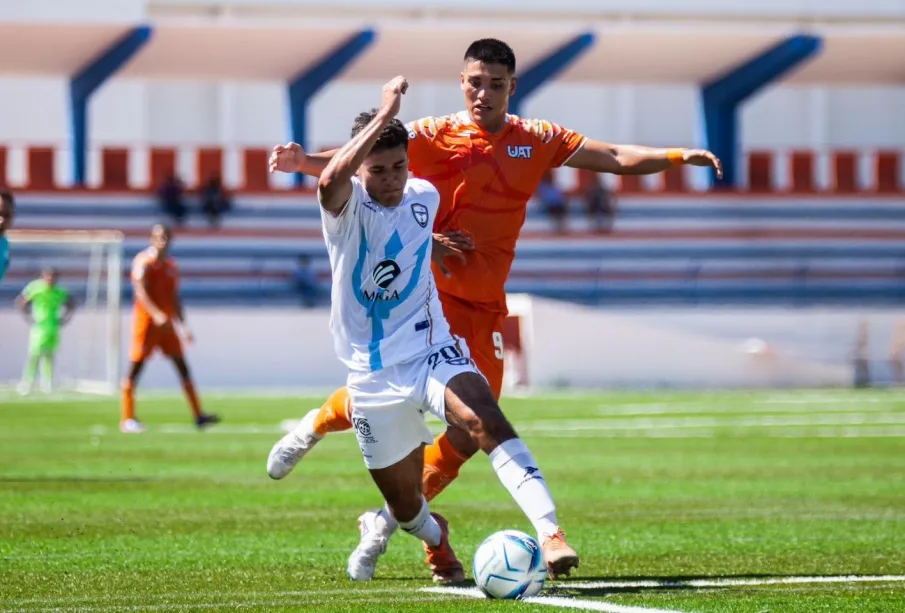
[671,583]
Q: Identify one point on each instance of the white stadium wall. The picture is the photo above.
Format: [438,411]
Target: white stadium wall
[567,346]
[143,112]
[128,112]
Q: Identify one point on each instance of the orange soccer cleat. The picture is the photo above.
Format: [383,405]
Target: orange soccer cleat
[442,559]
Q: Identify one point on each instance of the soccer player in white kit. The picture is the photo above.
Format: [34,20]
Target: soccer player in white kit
[389,330]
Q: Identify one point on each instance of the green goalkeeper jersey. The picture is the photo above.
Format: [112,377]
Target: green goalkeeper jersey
[46,302]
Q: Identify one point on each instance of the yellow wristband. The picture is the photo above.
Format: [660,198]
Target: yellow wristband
[676,157]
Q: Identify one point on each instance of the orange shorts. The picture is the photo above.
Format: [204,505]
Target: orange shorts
[483,333]
[147,340]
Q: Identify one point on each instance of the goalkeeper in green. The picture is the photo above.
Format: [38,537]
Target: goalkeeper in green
[41,302]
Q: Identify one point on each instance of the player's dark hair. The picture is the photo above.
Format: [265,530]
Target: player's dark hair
[392,136]
[163,228]
[7,197]
[491,51]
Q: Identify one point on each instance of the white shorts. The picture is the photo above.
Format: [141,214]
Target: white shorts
[388,405]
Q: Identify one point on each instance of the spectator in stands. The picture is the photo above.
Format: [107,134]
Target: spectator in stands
[553,201]
[171,199]
[600,202]
[214,201]
[305,281]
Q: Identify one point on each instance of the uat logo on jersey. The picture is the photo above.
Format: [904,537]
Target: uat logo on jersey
[420,213]
[519,151]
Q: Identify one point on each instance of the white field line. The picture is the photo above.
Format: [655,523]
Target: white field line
[763,421]
[682,433]
[553,601]
[563,602]
[726,582]
[815,425]
[697,408]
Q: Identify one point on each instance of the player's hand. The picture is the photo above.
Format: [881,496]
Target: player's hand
[160,320]
[450,244]
[287,158]
[187,335]
[392,95]
[702,157]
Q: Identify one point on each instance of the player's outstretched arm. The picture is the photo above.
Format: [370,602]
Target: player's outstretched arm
[291,158]
[334,188]
[597,156]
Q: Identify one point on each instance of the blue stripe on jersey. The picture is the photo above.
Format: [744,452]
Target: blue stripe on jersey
[394,246]
[378,310]
[413,280]
[4,256]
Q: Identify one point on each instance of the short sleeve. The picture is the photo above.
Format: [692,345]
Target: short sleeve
[340,224]
[422,133]
[31,290]
[558,143]
[427,195]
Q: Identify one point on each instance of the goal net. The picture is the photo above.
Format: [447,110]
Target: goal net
[89,264]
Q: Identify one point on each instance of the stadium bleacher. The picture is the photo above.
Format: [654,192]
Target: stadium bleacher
[695,250]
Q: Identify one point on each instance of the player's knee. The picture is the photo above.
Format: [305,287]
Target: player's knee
[487,425]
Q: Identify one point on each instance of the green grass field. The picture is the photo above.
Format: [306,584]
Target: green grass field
[677,502]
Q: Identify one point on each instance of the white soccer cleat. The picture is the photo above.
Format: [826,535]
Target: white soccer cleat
[131,426]
[23,388]
[290,449]
[374,536]
[46,387]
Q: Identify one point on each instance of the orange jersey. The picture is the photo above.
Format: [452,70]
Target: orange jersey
[161,279]
[485,181]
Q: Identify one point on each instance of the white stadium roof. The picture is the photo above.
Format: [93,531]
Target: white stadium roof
[429,49]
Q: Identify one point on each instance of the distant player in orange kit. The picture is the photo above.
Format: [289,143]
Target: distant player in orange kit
[157,313]
[486,164]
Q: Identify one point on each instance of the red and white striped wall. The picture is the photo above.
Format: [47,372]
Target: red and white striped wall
[47,168]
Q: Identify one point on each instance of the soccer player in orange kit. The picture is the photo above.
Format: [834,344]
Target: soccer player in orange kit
[486,164]
[157,312]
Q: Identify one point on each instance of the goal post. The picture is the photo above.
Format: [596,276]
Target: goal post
[90,266]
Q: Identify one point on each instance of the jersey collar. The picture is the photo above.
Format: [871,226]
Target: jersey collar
[465,119]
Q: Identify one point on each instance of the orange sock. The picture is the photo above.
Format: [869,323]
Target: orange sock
[192,397]
[128,402]
[334,414]
[441,466]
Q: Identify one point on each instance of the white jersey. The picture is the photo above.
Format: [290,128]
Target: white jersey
[385,306]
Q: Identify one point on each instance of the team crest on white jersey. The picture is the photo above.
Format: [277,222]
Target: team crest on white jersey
[419,211]
[519,151]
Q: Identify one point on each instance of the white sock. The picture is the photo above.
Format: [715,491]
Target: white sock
[518,471]
[424,526]
[390,523]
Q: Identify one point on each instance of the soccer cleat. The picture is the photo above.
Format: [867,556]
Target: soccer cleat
[46,387]
[24,388]
[206,419]
[131,426]
[374,535]
[442,559]
[290,449]
[560,558]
